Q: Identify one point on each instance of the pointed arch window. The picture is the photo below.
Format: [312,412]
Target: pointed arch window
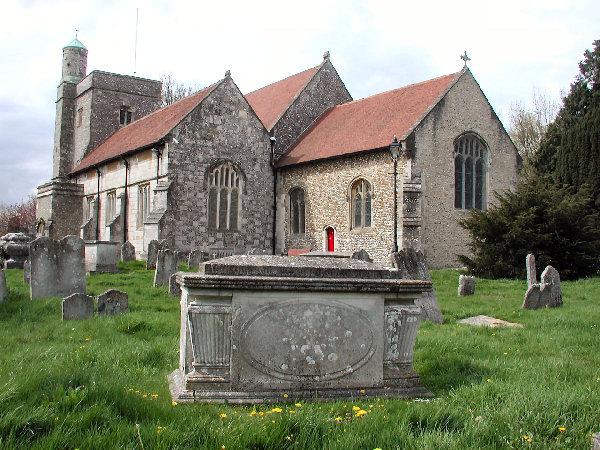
[297,210]
[361,196]
[470,156]
[224,201]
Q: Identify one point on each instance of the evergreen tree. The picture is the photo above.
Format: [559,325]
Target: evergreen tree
[570,150]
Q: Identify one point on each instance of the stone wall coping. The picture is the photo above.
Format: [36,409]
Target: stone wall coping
[195,280]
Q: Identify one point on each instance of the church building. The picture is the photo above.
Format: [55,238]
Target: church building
[292,167]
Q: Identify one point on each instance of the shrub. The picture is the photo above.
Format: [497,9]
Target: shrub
[559,225]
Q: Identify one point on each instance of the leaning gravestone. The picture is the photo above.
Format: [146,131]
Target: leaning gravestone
[362,255]
[3,289]
[15,248]
[153,248]
[57,267]
[127,252]
[26,272]
[77,306]
[113,302]
[166,265]
[196,257]
[551,276]
[466,285]
[531,275]
[412,266]
[174,287]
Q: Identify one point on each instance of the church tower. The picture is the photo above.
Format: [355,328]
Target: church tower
[74,65]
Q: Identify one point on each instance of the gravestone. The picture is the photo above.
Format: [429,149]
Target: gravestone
[14,247]
[531,275]
[182,256]
[551,276]
[57,267]
[3,289]
[412,266]
[196,258]
[596,441]
[101,257]
[174,288]
[77,306]
[466,285]
[127,252]
[153,248]
[487,321]
[361,255]
[113,302]
[26,272]
[166,265]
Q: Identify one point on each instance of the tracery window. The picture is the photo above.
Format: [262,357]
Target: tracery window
[111,206]
[224,198]
[297,210]
[470,156]
[360,204]
[143,204]
[87,208]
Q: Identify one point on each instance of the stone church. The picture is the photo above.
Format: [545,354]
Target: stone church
[294,166]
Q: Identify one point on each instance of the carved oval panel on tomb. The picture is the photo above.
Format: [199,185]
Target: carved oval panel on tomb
[307,340]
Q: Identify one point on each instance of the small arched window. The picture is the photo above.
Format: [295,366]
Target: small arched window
[224,201]
[297,209]
[470,155]
[360,204]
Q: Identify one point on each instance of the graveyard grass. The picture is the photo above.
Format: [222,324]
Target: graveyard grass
[101,383]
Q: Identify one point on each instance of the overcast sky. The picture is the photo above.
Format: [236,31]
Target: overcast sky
[515,46]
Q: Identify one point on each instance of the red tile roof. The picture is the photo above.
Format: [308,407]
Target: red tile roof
[367,124]
[143,132]
[272,100]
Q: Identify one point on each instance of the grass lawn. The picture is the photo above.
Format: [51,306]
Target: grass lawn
[101,383]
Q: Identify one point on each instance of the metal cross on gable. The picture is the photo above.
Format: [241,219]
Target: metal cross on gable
[76,31]
[465,58]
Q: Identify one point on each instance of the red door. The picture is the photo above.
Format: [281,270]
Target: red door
[330,232]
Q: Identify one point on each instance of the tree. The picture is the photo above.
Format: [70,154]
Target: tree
[172,90]
[570,149]
[19,217]
[558,224]
[527,127]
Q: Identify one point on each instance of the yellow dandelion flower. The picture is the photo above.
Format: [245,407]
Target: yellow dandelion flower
[145,395]
[261,413]
[338,419]
[83,346]
[137,392]
[525,437]
[159,428]
[285,396]
[355,408]
[292,411]
[562,429]
[223,416]
[174,403]
[88,339]
[272,421]
[154,395]
[378,448]
[298,405]
[253,413]
[362,391]
[222,447]
[360,413]
[277,410]
[489,380]
[288,438]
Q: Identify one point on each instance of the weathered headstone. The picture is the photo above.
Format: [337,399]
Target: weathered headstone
[596,441]
[113,302]
[531,274]
[14,247]
[466,285]
[412,266]
[196,257]
[127,252]
[57,267]
[174,288]
[153,248]
[77,306]
[3,289]
[26,272]
[182,256]
[551,276]
[101,256]
[166,265]
[362,255]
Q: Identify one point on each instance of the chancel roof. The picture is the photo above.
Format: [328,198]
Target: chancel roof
[143,132]
[369,123]
[270,102]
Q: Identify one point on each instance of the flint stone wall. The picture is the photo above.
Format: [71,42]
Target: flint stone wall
[57,267]
[77,306]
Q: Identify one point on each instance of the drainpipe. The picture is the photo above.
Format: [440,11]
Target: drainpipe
[157,152]
[273,142]
[126,200]
[98,207]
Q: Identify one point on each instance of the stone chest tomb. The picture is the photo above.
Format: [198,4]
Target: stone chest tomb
[254,328]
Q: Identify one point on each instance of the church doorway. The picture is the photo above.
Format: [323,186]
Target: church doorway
[330,239]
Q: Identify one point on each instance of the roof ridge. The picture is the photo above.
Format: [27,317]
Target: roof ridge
[283,79]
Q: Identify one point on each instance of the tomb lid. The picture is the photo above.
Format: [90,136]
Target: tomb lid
[297,267]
